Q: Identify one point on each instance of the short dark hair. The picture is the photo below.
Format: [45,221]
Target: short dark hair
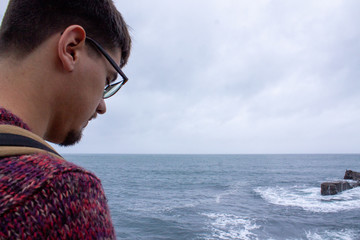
[28,23]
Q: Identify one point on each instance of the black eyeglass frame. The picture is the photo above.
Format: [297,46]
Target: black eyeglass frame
[113,63]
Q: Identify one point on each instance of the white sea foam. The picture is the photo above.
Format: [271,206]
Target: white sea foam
[310,199]
[228,226]
[333,235]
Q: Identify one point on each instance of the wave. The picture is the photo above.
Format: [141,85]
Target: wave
[330,235]
[232,189]
[310,199]
[229,226]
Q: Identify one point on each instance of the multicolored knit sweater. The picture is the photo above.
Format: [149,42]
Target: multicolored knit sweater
[43,197]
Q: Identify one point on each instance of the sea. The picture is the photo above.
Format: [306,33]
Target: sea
[227,196]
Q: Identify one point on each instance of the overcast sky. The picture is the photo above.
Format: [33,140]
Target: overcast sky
[234,76]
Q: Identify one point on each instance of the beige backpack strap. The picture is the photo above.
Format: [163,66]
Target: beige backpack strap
[13,133]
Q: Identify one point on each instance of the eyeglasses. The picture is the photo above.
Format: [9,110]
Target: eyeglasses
[112,87]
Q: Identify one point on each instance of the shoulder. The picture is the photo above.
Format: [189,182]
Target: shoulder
[33,164]
[22,176]
[54,193]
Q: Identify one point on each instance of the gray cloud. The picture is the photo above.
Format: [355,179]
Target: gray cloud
[235,77]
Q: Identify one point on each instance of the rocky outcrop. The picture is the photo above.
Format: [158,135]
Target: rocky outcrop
[352,175]
[332,188]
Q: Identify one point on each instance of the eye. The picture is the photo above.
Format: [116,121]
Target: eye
[107,82]
[114,79]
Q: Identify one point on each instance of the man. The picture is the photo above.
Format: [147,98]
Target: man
[59,59]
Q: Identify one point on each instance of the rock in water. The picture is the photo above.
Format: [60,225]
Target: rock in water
[352,175]
[332,188]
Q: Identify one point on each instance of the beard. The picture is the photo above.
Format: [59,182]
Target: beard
[71,138]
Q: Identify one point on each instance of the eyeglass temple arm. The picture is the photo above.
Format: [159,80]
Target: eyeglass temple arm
[113,63]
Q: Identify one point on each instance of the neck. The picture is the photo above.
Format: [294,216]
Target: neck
[23,92]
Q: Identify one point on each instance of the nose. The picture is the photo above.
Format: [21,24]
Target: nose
[101,108]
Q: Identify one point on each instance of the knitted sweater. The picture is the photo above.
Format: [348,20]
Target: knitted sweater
[44,197]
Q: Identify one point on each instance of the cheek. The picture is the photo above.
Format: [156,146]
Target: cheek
[96,83]
[88,96]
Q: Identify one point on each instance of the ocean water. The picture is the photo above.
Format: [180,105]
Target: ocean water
[227,196]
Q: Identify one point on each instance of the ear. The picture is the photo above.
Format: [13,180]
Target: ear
[70,46]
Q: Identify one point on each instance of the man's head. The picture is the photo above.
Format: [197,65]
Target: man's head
[27,23]
[60,72]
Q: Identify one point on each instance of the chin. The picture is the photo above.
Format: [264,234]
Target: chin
[71,138]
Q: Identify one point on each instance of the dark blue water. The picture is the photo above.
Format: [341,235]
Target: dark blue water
[227,196]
